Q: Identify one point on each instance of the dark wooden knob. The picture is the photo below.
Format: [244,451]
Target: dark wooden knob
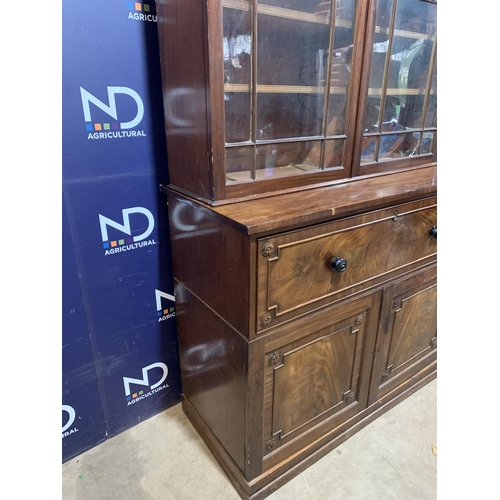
[433,233]
[339,265]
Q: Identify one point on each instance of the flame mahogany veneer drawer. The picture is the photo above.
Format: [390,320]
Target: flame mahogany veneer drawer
[295,273]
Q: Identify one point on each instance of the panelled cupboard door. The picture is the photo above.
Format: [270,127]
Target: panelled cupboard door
[407,337]
[316,374]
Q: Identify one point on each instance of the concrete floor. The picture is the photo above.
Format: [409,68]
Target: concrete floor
[163,458]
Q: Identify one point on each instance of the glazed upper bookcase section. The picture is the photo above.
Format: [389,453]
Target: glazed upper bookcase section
[287,69]
[287,85]
[264,96]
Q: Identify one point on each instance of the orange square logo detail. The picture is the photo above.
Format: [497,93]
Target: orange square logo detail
[138,6]
[134,395]
[98,126]
[113,243]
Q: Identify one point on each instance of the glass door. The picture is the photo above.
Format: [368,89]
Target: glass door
[399,121]
[287,86]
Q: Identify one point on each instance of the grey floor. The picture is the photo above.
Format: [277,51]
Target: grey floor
[163,458]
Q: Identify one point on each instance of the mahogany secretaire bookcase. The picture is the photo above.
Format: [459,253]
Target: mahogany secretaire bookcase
[301,140]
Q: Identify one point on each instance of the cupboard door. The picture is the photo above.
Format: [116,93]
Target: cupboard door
[407,337]
[291,77]
[316,375]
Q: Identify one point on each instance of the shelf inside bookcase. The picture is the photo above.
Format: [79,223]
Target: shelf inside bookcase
[405,33]
[297,15]
[395,91]
[262,174]
[282,89]
[304,89]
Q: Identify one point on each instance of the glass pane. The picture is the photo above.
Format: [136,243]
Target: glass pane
[312,6]
[430,116]
[237,112]
[383,19]
[369,148]
[416,16]
[403,49]
[283,115]
[291,158]
[427,140]
[237,43]
[334,152]
[238,164]
[415,28]
[341,66]
[410,63]
[398,145]
[378,63]
[293,41]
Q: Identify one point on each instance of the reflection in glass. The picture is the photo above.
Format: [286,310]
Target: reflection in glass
[402,57]
[369,148]
[283,115]
[398,145]
[430,116]
[237,45]
[334,152]
[427,140]
[298,89]
[290,75]
[410,63]
[416,16]
[312,6]
[378,64]
[238,163]
[291,158]
[340,68]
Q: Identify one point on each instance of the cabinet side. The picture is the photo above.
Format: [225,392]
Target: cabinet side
[212,357]
[182,40]
[212,260]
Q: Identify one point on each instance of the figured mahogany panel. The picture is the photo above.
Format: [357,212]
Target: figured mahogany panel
[315,377]
[407,339]
[413,329]
[295,271]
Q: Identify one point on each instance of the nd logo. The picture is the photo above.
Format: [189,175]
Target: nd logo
[110,109]
[126,226]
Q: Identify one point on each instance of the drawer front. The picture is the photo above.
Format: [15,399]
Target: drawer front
[295,272]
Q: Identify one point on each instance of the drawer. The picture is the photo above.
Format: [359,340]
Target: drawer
[295,273]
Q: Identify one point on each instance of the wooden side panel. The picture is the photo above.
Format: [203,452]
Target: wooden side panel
[407,338]
[211,259]
[182,38]
[213,359]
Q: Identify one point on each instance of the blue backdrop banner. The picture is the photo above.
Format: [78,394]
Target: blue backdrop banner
[114,158]
[82,417]
[122,249]
[112,98]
